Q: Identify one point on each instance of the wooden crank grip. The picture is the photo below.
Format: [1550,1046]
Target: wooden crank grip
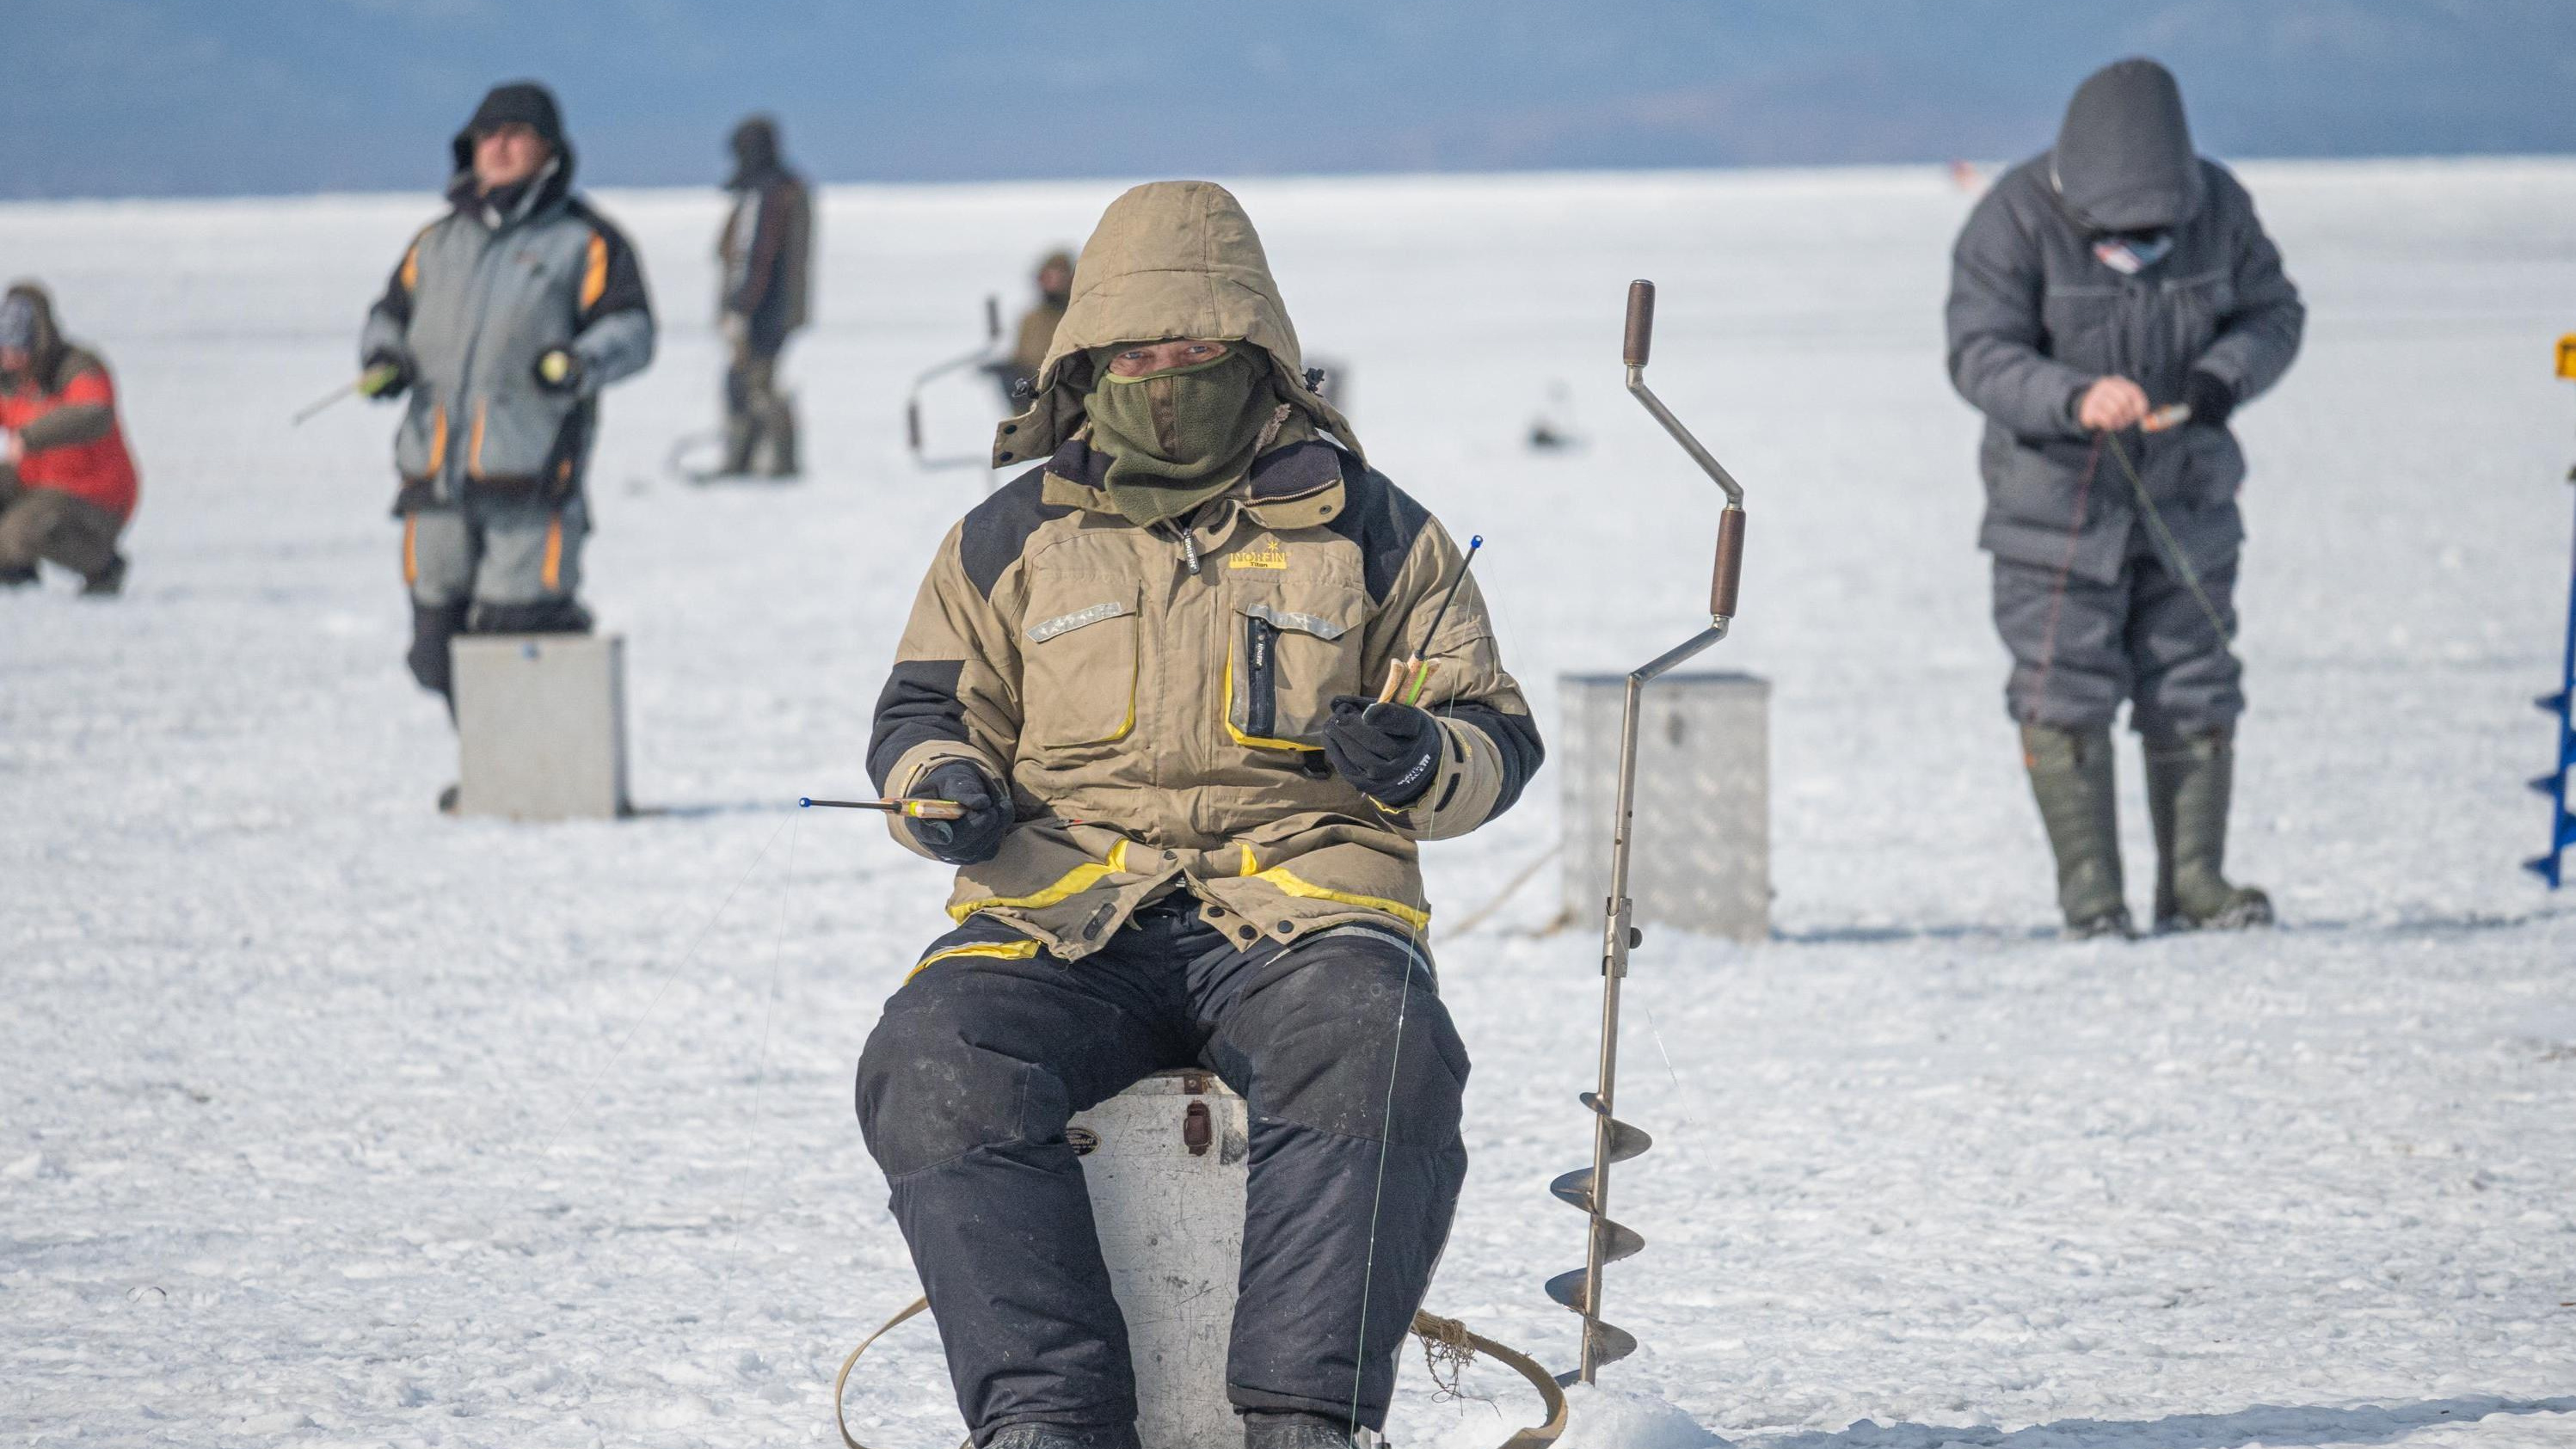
[1730,564]
[1641,323]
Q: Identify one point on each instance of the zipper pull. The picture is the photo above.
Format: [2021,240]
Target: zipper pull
[1190,550]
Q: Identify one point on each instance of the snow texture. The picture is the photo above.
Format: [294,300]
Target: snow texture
[328,1121]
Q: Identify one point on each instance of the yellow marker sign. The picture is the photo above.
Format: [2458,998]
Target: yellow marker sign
[2567,356]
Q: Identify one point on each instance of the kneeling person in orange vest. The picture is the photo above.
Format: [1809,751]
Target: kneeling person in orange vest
[67,482]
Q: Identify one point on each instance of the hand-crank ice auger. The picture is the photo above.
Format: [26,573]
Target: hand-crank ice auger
[1613,1140]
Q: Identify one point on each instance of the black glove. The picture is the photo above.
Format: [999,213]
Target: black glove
[558,369]
[974,838]
[2210,397]
[1390,751]
[384,375]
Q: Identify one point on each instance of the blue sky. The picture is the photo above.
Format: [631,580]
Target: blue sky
[150,97]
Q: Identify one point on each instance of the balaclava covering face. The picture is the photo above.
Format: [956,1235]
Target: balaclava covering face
[1178,437]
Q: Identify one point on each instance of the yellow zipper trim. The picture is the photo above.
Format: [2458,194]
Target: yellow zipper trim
[1250,742]
[1419,920]
[992,950]
[1074,882]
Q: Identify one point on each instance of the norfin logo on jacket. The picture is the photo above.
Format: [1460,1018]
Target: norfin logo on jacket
[1265,556]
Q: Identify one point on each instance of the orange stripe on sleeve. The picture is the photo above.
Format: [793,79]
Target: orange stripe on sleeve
[411,549]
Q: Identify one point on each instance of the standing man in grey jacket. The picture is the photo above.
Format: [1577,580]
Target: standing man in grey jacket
[503,320]
[2112,301]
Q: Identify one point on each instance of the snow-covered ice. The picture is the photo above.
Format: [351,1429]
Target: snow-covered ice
[325,1120]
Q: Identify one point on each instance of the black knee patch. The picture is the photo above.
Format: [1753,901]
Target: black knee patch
[929,1092]
[1348,1035]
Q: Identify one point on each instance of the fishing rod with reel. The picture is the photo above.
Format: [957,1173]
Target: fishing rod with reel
[912,403]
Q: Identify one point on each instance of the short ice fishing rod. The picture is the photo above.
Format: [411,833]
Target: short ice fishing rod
[909,809]
[1614,1141]
[1407,676]
[366,382]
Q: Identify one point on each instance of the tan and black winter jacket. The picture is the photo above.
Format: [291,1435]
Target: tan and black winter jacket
[1156,698]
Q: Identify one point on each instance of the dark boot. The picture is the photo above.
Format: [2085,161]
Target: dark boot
[2189,778]
[1062,1436]
[433,628]
[18,578]
[2071,777]
[741,437]
[108,582]
[783,462]
[1294,1431]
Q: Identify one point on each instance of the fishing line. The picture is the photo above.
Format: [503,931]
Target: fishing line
[2170,546]
[583,1088]
[1403,1006]
[2065,572]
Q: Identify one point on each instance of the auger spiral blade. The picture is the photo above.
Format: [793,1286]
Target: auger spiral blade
[1608,1241]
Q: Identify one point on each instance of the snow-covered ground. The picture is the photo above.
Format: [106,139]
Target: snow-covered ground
[325,1120]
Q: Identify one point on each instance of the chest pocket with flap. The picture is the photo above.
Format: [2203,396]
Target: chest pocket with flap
[1078,664]
[1290,656]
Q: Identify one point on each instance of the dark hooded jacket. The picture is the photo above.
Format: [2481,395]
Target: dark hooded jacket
[2035,317]
[62,407]
[480,295]
[765,250]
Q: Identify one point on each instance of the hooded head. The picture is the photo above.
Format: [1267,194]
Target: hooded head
[28,335]
[1055,276]
[1169,260]
[524,103]
[755,150]
[2124,160]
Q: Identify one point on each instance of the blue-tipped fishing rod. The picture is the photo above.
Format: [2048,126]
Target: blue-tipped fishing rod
[910,809]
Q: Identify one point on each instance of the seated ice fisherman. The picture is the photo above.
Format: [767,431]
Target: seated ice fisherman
[1146,668]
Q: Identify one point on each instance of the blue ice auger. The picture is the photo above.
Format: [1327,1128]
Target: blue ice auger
[2561,706]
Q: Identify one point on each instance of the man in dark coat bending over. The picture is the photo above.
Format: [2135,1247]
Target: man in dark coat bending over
[2105,280]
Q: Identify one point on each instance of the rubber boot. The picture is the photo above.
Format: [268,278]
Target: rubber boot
[783,462]
[741,437]
[2071,778]
[2189,778]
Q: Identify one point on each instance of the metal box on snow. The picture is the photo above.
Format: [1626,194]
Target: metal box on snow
[541,725]
[1702,858]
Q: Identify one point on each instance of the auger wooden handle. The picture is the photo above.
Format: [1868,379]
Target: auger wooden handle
[1641,323]
[1729,577]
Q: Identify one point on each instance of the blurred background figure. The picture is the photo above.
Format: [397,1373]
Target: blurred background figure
[1037,329]
[503,321]
[765,253]
[67,483]
[2113,277]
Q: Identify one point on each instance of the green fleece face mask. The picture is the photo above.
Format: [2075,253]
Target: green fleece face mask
[1178,437]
